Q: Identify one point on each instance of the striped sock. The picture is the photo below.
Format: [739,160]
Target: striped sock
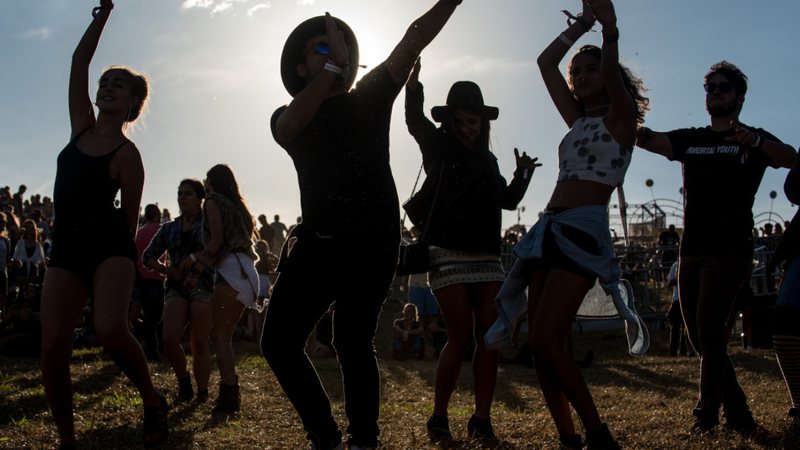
[787,349]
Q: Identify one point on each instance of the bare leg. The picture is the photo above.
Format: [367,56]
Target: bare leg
[227,311]
[113,286]
[484,364]
[176,315]
[201,325]
[551,315]
[63,298]
[457,314]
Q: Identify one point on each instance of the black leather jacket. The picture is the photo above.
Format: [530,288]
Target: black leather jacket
[471,192]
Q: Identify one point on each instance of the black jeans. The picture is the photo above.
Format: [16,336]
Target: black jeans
[708,286]
[355,273]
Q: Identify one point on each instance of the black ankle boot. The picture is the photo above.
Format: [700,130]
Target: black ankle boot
[185,390]
[480,429]
[741,421]
[601,439]
[704,420]
[439,430]
[229,400]
[570,441]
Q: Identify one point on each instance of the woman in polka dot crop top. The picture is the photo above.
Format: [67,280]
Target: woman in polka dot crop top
[570,246]
[590,152]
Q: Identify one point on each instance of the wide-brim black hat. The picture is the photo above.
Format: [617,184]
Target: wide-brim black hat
[465,95]
[294,48]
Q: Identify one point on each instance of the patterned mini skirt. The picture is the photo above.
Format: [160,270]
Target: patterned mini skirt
[450,267]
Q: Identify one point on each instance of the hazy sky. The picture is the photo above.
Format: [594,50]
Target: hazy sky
[216,82]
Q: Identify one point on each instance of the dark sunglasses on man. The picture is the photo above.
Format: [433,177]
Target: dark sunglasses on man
[723,87]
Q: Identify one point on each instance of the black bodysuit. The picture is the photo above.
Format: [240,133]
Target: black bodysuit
[88,227]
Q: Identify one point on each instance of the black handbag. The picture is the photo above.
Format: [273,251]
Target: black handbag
[414,258]
[415,255]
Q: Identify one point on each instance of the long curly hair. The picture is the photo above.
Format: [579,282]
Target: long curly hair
[633,84]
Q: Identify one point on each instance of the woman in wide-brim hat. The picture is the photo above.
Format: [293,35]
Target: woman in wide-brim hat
[463,186]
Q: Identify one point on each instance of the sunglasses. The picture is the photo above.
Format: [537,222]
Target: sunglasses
[723,87]
[322,48]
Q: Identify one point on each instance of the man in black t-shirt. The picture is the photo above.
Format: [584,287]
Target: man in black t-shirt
[345,249]
[722,168]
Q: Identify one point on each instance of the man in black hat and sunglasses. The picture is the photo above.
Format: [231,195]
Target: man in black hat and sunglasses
[338,139]
[723,165]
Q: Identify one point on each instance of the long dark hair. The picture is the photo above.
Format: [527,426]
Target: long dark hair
[633,84]
[482,143]
[224,183]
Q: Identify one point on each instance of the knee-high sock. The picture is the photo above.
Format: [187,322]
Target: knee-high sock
[787,349]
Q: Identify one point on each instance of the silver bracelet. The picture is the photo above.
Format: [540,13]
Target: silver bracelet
[331,66]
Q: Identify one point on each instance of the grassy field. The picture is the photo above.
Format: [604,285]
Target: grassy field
[646,401]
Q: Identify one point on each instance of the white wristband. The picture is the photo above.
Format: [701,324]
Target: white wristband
[332,67]
[563,38]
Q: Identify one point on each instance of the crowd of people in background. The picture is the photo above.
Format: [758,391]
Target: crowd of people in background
[222,274]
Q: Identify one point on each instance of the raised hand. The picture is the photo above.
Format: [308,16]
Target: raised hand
[413,78]
[106,4]
[526,162]
[587,14]
[603,11]
[339,53]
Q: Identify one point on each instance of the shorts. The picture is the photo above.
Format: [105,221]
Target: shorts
[449,267]
[195,295]
[554,258]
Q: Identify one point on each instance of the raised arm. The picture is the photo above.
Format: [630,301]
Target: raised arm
[81,112]
[515,190]
[548,61]
[305,105]
[622,110]
[418,125]
[417,37]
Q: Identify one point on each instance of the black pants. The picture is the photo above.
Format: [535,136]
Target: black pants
[151,295]
[677,331]
[708,286]
[355,273]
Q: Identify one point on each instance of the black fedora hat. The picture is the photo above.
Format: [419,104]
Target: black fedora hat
[466,95]
[294,48]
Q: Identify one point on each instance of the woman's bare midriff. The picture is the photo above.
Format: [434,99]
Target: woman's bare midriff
[572,193]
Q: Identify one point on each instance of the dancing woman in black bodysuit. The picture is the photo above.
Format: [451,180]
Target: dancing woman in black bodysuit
[93,250]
